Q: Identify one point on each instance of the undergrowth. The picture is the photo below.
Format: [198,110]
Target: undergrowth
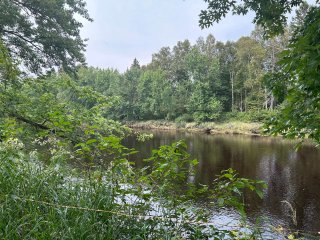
[54,201]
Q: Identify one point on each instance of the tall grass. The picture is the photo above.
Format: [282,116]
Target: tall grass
[55,202]
[49,202]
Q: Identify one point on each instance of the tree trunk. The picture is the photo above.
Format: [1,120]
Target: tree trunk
[266,98]
[232,90]
[241,102]
[272,101]
[245,104]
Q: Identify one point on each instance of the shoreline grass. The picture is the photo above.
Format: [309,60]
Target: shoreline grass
[50,202]
[40,201]
[232,127]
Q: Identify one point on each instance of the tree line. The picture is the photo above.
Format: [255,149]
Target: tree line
[193,82]
[205,81]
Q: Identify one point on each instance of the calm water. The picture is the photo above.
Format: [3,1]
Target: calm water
[291,175]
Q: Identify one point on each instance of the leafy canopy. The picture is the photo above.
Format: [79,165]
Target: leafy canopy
[271,15]
[43,34]
[300,71]
[298,66]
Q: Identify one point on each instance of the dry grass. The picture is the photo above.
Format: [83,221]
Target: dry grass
[235,127]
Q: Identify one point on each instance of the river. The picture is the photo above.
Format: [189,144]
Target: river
[292,176]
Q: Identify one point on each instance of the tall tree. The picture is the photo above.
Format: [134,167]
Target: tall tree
[273,47]
[129,91]
[155,95]
[300,15]
[205,82]
[299,63]
[227,60]
[105,81]
[43,34]
[249,73]
[162,59]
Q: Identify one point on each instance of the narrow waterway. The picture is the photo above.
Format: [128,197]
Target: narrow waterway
[292,176]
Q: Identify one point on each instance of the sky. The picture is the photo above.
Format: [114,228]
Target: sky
[126,29]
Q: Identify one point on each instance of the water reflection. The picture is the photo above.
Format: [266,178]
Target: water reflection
[291,176]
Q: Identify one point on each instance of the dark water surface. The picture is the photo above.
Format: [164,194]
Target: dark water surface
[292,176]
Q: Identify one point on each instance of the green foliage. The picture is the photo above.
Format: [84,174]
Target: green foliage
[104,203]
[300,15]
[129,92]
[190,82]
[295,79]
[61,204]
[195,82]
[104,81]
[184,118]
[300,70]
[269,14]
[248,75]
[204,111]
[65,120]
[170,168]
[58,107]
[249,116]
[43,34]
[8,68]
[153,103]
[64,173]
[228,189]
[142,137]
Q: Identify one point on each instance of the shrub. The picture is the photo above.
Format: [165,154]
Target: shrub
[249,116]
[185,118]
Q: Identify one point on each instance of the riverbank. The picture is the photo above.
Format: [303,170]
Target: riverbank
[118,202]
[234,127]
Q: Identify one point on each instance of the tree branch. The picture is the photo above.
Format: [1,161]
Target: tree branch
[23,38]
[25,120]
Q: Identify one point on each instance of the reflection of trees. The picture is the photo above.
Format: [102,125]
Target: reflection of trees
[292,176]
[217,153]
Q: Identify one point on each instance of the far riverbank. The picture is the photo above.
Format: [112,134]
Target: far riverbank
[234,127]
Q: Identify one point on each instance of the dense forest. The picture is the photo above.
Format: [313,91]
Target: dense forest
[197,82]
[206,81]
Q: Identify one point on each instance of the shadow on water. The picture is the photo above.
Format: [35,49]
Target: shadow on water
[293,176]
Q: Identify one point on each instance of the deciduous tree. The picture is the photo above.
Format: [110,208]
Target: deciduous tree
[43,34]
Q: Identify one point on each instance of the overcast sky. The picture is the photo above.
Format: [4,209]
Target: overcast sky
[126,29]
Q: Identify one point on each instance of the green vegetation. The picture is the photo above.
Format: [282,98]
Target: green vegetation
[299,71]
[230,127]
[64,173]
[43,34]
[294,79]
[271,15]
[203,82]
[109,201]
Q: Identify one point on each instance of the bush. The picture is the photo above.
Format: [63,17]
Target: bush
[185,118]
[209,111]
[249,116]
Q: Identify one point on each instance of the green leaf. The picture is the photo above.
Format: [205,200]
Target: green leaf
[90,141]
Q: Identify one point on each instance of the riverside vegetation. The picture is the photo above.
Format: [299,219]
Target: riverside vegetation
[230,127]
[69,176]
[64,173]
